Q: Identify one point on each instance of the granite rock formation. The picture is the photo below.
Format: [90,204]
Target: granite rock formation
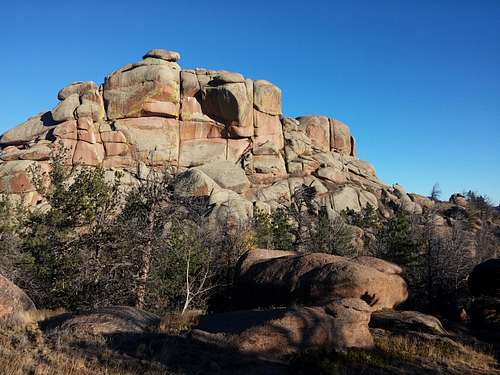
[222,132]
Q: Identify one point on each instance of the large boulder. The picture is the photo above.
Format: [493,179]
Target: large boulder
[227,174]
[153,140]
[228,103]
[149,87]
[267,97]
[405,321]
[35,126]
[13,300]
[484,279]
[316,279]
[341,324]
[103,321]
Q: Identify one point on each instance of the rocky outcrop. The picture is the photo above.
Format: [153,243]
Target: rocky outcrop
[153,114]
[339,295]
[484,279]
[13,300]
[341,324]
[102,321]
[266,277]
[405,321]
[484,285]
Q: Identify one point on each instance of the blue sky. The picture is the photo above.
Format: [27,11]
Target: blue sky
[417,81]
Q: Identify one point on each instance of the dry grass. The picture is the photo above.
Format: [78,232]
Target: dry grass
[24,350]
[439,350]
[176,323]
[396,354]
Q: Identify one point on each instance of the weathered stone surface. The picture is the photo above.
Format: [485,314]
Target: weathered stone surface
[406,321]
[65,110]
[34,127]
[153,114]
[317,129]
[278,192]
[267,97]
[36,152]
[135,90]
[484,279]
[102,321]
[66,130]
[196,152]
[200,130]
[190,86]
[13,300]
[341,138]
[116,149]
[331,174]
[154,140]
[78,88]
[279,332]
[113,136]
[366,198]
[227,174]
[163,54]
[191,110]
[272,165]
[88,154]
[234,210]
[228,77]
[316,279]
[92,105]
[194,183]
[15,176]
[346,198]
[237,148]
[229,104]
[267,129]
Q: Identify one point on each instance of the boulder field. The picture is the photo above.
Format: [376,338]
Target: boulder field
[224,135]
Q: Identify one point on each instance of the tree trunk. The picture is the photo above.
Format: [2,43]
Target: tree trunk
[143,276]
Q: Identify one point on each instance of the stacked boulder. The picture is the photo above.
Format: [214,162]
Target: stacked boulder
[484,285]
[211,124]
[337,296]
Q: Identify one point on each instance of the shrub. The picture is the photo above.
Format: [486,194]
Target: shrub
[331,235]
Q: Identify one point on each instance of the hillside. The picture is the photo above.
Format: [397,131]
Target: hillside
[174,221]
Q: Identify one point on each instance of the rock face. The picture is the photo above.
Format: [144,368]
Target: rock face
[484,279]
[406,321]
[12,299]
[341,324]
[154,114]
[339,295]
[484,285]
[266,277]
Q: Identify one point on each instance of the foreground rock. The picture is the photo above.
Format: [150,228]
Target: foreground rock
[484,279]
[406,321]
[341,324]
[13,300]
[103,321]
[267,277]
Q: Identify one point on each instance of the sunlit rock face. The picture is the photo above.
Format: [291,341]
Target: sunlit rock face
[152,114]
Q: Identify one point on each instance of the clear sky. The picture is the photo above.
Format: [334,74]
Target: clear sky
[417,81]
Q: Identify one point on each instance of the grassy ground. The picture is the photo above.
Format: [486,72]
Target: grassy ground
[24,349]
[411,353]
